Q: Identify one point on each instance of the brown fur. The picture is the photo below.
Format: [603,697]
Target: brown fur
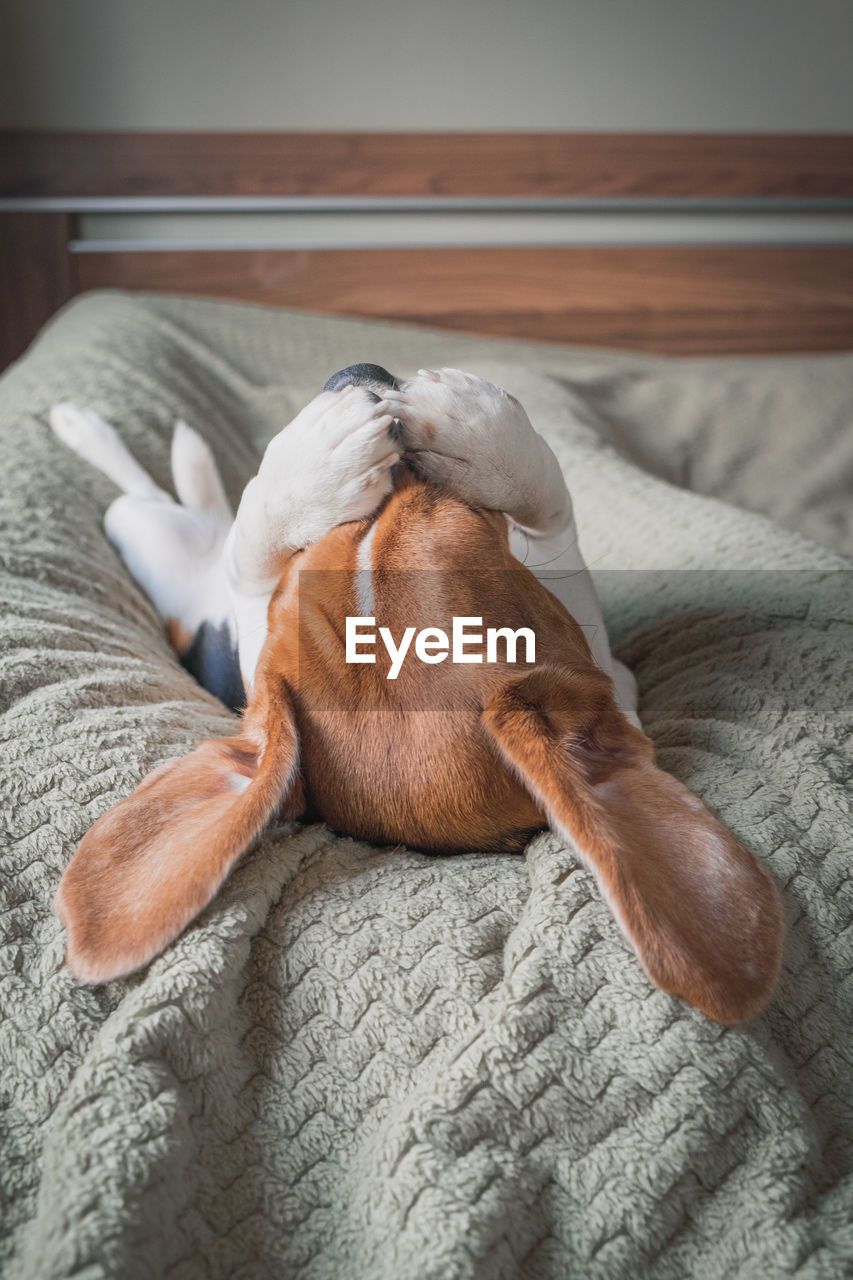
[446,757]
[179,638]
[149,866]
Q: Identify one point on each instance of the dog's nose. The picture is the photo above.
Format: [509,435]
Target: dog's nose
[361,375]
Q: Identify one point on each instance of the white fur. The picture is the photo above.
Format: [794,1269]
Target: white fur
[250,613]
[626,693]
[331,464]
[194,471]
[556,560]
[176,557]
[90,435]
[475,438]
[364,574]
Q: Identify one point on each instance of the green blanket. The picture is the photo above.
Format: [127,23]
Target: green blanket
[368,1064]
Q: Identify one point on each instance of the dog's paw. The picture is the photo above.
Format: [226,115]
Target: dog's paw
[195,474]
[98,443]
[83,430]
[332,464]
[475,438]
[440,402]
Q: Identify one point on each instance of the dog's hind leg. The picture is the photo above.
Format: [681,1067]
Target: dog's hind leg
[198,483]
[99,444]
[173,550]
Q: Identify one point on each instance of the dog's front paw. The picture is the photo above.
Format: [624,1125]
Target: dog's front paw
[441,407]
[475,438]
[330,465]
[357,476]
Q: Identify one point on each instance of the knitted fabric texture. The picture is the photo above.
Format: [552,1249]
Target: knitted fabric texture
[371,1063]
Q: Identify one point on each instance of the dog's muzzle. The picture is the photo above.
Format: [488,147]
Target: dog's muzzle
[371,377]
[362,375]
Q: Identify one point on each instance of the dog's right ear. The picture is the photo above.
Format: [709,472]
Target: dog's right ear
[702,913]
[151,864]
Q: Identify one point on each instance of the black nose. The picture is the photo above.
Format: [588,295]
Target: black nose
[361,375]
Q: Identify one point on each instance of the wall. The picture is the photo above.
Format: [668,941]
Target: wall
[436,64]
[549,64]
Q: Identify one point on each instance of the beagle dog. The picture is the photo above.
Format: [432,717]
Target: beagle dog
[403,513]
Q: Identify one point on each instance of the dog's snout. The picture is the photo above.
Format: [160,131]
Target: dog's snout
[361,375]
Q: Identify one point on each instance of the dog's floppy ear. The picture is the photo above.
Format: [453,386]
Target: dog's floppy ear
[702,913]
[149,865]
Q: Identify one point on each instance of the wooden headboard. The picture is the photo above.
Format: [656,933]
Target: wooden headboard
[684,298]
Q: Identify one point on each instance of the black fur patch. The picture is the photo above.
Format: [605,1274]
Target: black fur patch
[212,659]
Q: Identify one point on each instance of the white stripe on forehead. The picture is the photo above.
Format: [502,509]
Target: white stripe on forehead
[364,574]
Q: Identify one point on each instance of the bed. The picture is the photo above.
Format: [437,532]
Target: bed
[369,1062]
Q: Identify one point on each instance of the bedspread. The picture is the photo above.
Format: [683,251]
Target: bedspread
[371,1063]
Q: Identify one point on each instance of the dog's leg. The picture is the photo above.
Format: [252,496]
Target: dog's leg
[198,483]
[173,551]
[555,558]
[330,465]
[475,438]
[96,441]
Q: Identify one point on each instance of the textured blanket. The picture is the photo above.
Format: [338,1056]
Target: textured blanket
[368,1063]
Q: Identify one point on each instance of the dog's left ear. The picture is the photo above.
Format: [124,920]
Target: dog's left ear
[152,863]
[702,913]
